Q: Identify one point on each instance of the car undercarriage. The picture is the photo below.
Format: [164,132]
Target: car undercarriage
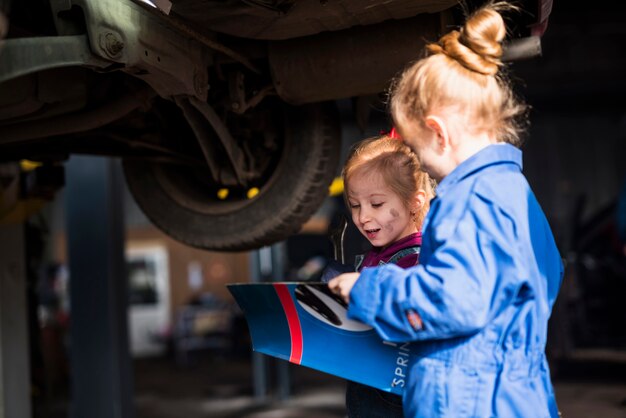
[223,112]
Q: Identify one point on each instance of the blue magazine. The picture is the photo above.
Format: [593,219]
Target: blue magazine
[305,324]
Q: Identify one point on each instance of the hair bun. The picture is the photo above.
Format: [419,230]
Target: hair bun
[478,45]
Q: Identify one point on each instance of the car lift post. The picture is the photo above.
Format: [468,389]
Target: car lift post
[101,375]
[268,264]
[14,348]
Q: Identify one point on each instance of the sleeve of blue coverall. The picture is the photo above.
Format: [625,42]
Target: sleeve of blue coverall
[453,292]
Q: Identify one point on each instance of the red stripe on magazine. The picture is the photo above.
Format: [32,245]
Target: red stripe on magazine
[292,319]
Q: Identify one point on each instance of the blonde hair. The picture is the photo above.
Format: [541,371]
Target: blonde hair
[463,73]
[397,165]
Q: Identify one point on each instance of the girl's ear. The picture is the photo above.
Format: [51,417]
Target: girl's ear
[421,197]
[419,201]
[438,126]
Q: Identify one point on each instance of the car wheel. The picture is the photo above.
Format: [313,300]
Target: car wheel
[183,204]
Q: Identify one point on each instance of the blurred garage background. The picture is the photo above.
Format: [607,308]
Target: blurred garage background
[190,352]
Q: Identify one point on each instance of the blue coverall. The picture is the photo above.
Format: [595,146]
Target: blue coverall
[479,302]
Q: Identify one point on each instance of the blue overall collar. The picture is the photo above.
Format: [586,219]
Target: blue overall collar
[493,154]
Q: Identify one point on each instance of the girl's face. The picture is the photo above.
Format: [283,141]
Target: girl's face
[424,144]
[379,214]
[433,157]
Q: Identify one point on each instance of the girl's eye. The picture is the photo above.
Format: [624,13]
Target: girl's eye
[377,205]
[353,206]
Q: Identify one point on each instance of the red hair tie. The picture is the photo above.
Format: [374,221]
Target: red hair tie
[394,134]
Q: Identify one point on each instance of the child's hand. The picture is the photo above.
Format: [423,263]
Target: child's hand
[342,285]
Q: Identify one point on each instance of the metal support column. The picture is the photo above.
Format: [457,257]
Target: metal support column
[14,352]
[259,266]
[100,360]
[279,253]
[268,264]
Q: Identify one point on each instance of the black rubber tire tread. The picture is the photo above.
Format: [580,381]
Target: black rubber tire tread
[297,189]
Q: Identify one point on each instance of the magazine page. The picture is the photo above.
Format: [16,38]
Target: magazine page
[306,324]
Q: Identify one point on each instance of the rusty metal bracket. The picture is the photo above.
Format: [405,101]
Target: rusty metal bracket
[141,44]
[237,93]
[23,56]
[197,113]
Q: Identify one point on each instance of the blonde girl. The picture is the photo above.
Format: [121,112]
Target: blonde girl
[478,303]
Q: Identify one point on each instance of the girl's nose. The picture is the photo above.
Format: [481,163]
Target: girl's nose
[364,215]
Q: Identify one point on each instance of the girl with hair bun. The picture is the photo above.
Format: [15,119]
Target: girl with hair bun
[477,305]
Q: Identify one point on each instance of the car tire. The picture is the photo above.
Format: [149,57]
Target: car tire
[295,189]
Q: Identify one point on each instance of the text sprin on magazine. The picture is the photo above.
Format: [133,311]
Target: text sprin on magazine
[402,363]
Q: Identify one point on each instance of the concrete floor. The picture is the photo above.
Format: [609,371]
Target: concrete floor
[586,389]
[221,388]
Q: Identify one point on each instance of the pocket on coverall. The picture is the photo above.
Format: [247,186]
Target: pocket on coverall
[444,390]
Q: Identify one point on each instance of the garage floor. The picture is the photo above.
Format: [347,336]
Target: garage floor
[221,388]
